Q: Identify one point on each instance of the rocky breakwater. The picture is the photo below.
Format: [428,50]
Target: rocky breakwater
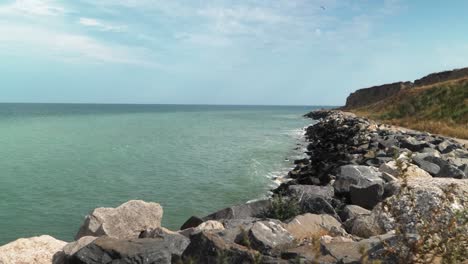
[367,192]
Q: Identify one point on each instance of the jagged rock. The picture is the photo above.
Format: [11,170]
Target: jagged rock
[446,147]
[126,221]
[209,225]
[71,248]
[407,170]
[353,211]
[419,201]
[38,250]
[357,252]
[360,176]
[266,236]
[430,167]
[210,248]
[447,170]
[143,250]
[252,209]
[413,144]
[304,192]
[366,197]
[312,225]
[364,226]
[193,221]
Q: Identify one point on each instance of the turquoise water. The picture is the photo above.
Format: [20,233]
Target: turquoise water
[59,161]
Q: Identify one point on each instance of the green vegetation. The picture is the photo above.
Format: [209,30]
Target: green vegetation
[440,108]
[282,208]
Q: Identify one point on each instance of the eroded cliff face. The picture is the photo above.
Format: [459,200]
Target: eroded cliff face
[367,96]
[442,77]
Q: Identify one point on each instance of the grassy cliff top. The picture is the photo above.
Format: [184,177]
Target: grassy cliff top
[441,108]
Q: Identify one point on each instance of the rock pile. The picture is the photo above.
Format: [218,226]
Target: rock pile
[366,192]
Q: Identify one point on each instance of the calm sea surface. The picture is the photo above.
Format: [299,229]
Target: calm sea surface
[59,161]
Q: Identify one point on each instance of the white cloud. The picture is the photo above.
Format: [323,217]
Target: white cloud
[32,8]
[90,22]
[66,46]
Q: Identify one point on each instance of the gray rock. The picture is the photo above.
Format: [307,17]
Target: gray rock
[362,176]
[353,211]
[71,248]
[367,196]
[346,252]
[413,144]
[447,170]
[430,167]
[446,146]
[211,248]
[364,226]
[143,251]
[268,236]
[126,221]
[253,209]
[193,221]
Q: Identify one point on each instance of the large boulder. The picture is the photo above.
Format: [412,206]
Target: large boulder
[210,225]
[366,196]
[143,250]
[71,248]
[126,221]
[252,209]
[269,235]
[363,251]
[314,199]
[311,225]
[37,250]
[435,200]
[210,248]
[360,176]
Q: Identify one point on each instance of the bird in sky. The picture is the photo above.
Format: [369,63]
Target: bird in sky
[322,7]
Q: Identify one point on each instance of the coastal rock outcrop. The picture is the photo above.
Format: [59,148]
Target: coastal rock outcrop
[126,221]
[38,250]
[144,250]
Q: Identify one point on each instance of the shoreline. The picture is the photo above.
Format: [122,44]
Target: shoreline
[328,207]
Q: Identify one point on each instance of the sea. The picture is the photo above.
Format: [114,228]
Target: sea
[60,161]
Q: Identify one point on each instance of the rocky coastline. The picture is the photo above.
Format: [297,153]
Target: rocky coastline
[366,193]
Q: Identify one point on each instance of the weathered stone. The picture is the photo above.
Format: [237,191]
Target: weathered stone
[358,252]
[364,226]
[73,247]
[210,248]
[126,221]
[368,196]
[37,250]
[269,235]
[353,211]
[446,147]
[413,144]
[419,200]
[210,225]
[430,167]
[253,209]
[356,175]
[143,250]
[312,225]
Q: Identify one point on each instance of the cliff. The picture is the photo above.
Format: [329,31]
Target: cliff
[367,96]
[437,103]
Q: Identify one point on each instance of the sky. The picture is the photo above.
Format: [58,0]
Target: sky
[261,52]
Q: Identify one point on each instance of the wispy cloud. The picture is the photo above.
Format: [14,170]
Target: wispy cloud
[32,7]
[66,46]
[102,26]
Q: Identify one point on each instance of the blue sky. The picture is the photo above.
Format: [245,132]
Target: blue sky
[280,52]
